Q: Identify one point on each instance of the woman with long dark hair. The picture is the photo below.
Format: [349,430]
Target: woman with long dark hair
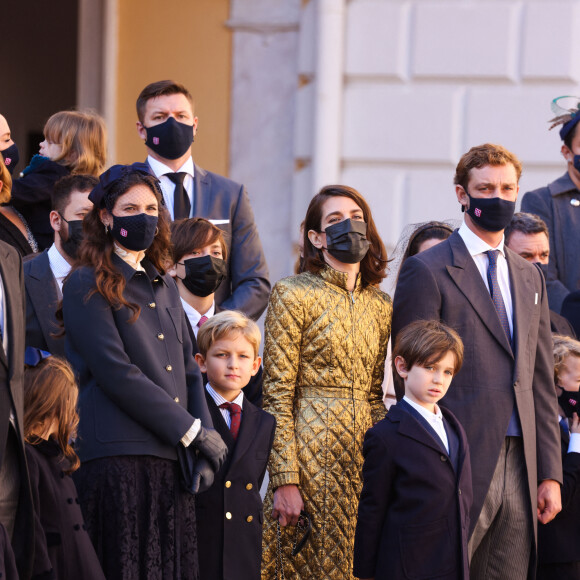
[140,391]
[326,336]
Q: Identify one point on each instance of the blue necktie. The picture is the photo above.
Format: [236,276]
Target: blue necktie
[495,292]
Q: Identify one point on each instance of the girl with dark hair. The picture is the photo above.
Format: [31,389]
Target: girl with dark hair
[326,336]
[141,394]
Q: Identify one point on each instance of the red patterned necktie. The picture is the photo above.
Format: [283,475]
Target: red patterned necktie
[235,417]
[202,321]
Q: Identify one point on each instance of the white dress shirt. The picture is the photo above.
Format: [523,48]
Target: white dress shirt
[167,186]
[434,419]
[574,445]
[59,266]
[477,248]
[219,400]
[194,316]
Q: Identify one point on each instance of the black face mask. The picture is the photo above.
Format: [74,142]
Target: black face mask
[569,401]
[11,157]
[204,275]
[74,238]
[170,139]
[346,241]
[577,162]
[492,214]
[134,232]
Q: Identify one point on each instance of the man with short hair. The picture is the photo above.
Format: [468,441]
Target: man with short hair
[503,396]
[167,124]
[44,274]
[527,235]
[558,204]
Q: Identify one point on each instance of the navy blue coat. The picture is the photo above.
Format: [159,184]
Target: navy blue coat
[413,515]
[140,387]
[553,204]
[231,548]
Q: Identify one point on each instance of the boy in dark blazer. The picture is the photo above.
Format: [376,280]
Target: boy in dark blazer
[413,515]
[229,515]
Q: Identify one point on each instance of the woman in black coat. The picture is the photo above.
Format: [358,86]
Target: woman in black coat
[141,394]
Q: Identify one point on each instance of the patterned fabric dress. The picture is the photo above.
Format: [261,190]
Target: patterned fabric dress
[324,359]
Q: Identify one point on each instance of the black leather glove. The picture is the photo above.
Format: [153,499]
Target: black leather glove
[203,475]
[209,443]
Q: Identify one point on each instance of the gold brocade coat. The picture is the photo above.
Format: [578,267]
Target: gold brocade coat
[324,357]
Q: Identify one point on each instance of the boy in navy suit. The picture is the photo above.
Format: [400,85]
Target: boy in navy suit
[413,517]
[558,540]
[229,514]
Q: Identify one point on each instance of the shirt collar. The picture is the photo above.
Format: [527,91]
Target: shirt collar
[431,417]
[219,400]
[160,169]
[59,266]
[475,245]
[563,184]
[193,314]
[130,258]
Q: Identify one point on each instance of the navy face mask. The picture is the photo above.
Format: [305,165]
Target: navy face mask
[170,139]
[134,232]
[74,238]
[347,242]
[492,214]
[11,157]
[570,402]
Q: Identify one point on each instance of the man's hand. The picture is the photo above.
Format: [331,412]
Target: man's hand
[287,505]
[549,500]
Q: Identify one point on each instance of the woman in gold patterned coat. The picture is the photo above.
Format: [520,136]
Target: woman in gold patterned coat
[326,336]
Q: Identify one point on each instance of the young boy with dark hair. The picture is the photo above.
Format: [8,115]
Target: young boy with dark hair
[413,517]
[229,515]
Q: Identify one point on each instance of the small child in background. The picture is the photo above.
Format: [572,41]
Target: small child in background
[559,540]
[229,515]
[63,548]
[74,142]
[413,515]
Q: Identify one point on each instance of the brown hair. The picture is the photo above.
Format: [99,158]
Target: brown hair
[564,346]
[373,265]
[51,393]
[526,223]
[65,186]
[159,89]
[482,155]
[82,136]
[6,179]
[424,342]
[193,234]
[224,324]
[97,248]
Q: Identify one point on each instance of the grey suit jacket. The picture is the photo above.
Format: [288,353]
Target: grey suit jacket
[42,298]
[247,286]
[443,283]
[553,204]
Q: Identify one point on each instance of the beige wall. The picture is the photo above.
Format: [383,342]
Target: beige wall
[183,40]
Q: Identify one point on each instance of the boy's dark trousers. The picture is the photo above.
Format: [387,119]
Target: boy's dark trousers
[229,515]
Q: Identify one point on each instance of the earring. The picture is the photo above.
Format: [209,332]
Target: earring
[106,229]
[156,231]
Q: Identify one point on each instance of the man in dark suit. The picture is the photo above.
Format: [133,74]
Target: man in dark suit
[44,274]
[527,235]
[167,125]
[16,511]
[558,204]
[503,396]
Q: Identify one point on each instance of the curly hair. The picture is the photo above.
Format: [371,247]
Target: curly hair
[564,346]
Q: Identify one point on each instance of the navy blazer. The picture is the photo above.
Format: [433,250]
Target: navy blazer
[42,298]
[231,547]
[552,204]
[413,515]
[139,385]
[12,397]
[247,285]
[559,540]
[443,283]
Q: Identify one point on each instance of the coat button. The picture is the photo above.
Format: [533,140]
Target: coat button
[168,368]
[151,305]
[176,399]
[69,500]
[228,484]
[228,515]
[77,527]
[161,336]
[249,486]
[459,491]
[443,458]
[249,519]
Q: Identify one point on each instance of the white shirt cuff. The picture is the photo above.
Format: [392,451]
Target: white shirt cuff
[191,434]
[574,445]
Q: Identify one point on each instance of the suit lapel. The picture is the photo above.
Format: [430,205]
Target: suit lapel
[201,198]
[248,430]
[467,278]
[219,424]
[8,270]
[3,273]
[411,427]
[462,439]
